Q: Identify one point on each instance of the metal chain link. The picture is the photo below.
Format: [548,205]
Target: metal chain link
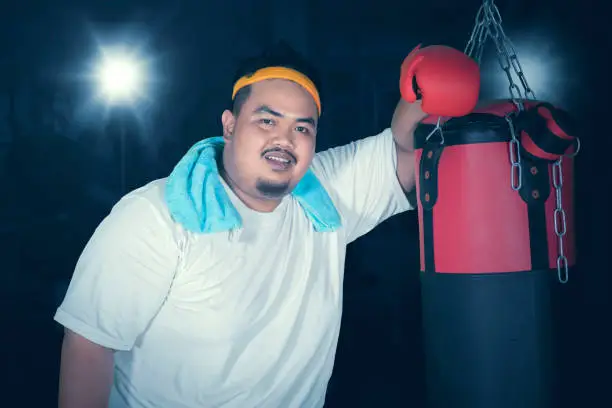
[516,176]
[488,24]
[560,221]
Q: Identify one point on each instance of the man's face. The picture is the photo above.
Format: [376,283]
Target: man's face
[271,143]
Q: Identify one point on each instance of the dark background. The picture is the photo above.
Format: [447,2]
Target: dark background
[59,160]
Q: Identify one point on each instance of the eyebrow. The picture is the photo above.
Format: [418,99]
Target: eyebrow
[268,110]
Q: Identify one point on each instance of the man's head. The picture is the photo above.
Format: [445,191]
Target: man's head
[271,130]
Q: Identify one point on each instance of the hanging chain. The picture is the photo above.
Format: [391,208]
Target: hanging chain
[516,176]
[488,24]
[560,221]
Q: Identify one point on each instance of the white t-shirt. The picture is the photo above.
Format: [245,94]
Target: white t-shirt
[240,319]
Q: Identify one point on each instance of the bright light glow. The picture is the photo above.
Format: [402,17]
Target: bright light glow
[542,66]
[120,77]
[539,73]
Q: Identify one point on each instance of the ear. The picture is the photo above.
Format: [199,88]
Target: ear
[229,121]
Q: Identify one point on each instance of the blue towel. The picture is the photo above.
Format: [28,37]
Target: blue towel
[197,199]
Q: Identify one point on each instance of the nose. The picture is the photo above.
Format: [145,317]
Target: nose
[284,137]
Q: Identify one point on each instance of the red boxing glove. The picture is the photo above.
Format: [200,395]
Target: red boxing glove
[445,79]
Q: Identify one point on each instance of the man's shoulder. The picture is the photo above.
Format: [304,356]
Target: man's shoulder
[335,158]
[152,192]
[146,204]
[369,142]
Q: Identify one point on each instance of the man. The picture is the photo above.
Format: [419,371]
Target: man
[221,286]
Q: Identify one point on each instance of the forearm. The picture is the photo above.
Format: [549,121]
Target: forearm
[406,118]
[86,374]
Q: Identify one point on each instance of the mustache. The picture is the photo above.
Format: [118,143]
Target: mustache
[281,150]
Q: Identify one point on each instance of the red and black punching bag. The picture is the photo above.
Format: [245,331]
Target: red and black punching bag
[496,233]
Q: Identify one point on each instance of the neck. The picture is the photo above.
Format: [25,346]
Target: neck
[263,205]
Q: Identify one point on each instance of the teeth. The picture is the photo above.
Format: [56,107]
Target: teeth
[278,159]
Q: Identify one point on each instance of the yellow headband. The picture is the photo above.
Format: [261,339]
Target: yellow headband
[279,73]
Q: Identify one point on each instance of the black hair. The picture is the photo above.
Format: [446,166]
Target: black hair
[241,96]
[280,54]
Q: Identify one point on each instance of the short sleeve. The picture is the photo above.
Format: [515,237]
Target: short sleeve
[363,183]
[123,275]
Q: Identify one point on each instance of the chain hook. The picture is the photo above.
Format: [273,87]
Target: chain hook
[576,149]
[437,129]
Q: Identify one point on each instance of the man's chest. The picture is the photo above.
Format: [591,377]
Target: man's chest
[242,309]
[236,281]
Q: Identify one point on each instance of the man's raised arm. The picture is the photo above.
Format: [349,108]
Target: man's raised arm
[435,80]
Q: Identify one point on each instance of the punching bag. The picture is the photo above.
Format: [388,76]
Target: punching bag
[496,232]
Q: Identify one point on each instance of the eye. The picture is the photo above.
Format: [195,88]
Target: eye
[266,121]
[302,129]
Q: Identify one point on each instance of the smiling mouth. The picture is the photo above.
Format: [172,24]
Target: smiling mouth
[280,160]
